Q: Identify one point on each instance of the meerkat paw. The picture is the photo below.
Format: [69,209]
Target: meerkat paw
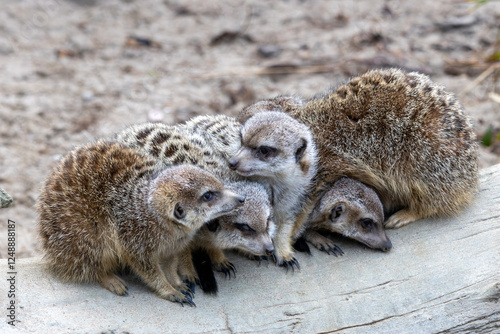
[227,268]
[287,261]
[400,219]
[290,264]
[191,284]
[323,243]
[177,297]
[114,284]
[186,288]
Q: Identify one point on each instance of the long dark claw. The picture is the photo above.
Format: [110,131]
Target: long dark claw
[191,303]
[339,250]
[233,268]
[274,258]
[187,294]
[178,300]
[291,264]
[190,285]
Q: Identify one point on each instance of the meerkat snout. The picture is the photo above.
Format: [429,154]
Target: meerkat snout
[233,163]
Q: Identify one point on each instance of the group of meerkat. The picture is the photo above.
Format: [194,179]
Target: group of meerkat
[381,151]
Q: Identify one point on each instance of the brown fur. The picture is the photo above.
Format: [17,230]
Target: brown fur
[401,134]
[106,206]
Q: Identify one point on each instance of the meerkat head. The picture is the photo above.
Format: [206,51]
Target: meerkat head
[191,196]
[274,145]
[280,103]
[250,228]
[355,211]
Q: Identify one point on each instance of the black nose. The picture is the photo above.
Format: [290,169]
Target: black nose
[241,199]
[233,163]
[387,247]
[269,251]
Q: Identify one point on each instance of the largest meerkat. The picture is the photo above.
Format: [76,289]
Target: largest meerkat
[399,133]
[106,206]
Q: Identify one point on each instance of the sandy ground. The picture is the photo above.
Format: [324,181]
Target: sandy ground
[72,71]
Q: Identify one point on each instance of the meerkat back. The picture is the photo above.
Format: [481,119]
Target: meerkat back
[101,201]
[400,133]
[405,136]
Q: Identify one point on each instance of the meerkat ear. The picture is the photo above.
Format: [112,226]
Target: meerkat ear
[300,151]
[213,225]
[337,211]
[179,212]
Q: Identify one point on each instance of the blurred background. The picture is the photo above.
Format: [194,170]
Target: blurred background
[72,71]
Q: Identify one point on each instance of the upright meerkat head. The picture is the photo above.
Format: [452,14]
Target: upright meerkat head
[275,145]
[355,211]
[191,196]
[250,228]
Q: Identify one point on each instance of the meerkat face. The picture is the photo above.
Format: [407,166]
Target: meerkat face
[272,143]
[191,196]
[250,228]
[236,231]
[355,211]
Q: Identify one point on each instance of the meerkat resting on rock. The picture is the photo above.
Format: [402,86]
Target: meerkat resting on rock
[399,133]
[106,206]
[208,142]
[279,151]
[352,209]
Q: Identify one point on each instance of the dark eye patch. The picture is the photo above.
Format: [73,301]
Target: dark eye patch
[264,152]
[367,224]
[244,228]
[208,196]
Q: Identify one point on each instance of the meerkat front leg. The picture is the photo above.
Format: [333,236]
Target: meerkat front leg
[172,264]
[401,218]
[186,271]
[153,276]
[283,250]
[322,243]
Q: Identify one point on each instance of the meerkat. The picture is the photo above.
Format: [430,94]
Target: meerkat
[208,142]
[249,229]
[352,209]
[106,206]
[399,133]
[279,151]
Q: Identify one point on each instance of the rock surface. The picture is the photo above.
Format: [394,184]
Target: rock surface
[442,276]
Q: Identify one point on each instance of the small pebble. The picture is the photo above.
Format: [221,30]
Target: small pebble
[87,96]
[269,50]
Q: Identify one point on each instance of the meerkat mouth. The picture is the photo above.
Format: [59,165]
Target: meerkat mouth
[246,172]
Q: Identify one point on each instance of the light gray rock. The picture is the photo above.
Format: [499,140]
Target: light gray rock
[5,199]
[443,275]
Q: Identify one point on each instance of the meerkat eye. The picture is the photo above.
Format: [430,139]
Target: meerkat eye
[243,228]
[367,224]
[263,152]
[208,196]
